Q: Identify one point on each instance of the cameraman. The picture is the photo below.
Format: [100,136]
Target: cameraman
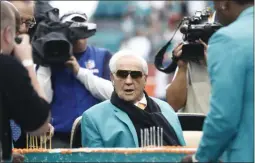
[21,97]
[27,21]
[190,87]
[73,92]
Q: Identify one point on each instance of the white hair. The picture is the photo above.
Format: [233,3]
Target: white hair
[127,53]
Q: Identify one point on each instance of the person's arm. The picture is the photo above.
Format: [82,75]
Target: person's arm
[176,92]
[26,107]
[227,75]
[89,133]
[99,87]
[44,79]
[34,81]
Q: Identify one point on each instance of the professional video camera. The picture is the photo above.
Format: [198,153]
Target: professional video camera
[51,39]
[194,28]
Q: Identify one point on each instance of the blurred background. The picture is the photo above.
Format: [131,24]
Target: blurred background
[143,26]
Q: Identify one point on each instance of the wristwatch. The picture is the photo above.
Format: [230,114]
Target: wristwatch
[27,62]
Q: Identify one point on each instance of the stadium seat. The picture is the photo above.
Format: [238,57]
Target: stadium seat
[192,127]
[75,140]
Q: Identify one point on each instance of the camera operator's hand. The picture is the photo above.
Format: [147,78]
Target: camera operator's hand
[205,52]
[73,65]
[23,51]
[177,52]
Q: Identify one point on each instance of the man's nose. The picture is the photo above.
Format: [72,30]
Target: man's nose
[129,80]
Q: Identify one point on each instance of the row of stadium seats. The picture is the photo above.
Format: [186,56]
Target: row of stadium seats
[107,38]
[111,8]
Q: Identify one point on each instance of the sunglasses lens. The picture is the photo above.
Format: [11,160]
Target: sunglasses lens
[136,74]
[122,73]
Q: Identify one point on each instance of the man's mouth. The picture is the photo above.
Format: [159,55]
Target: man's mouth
[129,91]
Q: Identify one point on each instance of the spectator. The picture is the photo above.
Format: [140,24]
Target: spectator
[21,97]
[228,132]
[129,106]
[139,43]
[73,92]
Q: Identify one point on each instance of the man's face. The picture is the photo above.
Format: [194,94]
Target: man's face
[129,87]
[79,45]
[223,13]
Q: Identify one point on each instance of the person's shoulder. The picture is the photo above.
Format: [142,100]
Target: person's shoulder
[235,33]
[5,59]
[99,50]
[98,112]
[100,107]
[9,63]
[164,106]
[158,100]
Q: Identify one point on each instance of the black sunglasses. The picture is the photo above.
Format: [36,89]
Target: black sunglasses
[124,74]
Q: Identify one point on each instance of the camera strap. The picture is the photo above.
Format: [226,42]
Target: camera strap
[160,56]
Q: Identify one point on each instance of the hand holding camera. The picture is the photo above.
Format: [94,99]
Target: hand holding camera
[73,65]
[194,29]
[177,52]
[23,50]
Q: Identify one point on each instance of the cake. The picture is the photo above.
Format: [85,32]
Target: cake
[149,154]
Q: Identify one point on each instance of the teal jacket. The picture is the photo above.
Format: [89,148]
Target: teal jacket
[104,125]
[229,127]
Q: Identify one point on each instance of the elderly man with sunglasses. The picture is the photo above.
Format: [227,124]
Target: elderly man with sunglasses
[130,116]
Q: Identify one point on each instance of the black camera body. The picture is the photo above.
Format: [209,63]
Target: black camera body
[52,40]
[193,29]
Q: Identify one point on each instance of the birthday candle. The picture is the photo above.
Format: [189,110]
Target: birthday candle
[162,136]
[158,144]
[27,140]
[141,132]
[45,141]
[151,144]
[36,142]
[154,136]
[41,142]
[30,141]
